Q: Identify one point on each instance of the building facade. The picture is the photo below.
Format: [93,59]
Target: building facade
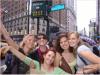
[92,29]
[66,18]
[16,17]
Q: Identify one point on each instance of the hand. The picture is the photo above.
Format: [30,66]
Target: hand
[88,69]
[4,50]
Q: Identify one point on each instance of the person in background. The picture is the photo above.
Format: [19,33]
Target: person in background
[85,56]
[52,43]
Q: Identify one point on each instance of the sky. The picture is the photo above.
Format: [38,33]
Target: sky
[86,10]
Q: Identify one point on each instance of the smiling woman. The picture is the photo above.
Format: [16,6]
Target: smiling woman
[47,67]
[85,56]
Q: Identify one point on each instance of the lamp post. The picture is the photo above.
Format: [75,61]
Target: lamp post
[28,4]
[94,30]
[59,14]
[98,25]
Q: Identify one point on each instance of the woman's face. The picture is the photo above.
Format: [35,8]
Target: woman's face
[41,41]
[49,57]
[73,40]
[64,43]
[30,42]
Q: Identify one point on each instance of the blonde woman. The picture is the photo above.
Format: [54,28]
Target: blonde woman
[26,46]
[84,53]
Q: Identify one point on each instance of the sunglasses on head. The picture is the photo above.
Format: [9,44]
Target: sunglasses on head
[41,38]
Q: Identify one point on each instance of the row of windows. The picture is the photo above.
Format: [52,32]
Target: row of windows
[16,28]
[17,22]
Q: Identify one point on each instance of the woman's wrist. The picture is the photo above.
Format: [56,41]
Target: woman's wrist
[98,66]
[27,60]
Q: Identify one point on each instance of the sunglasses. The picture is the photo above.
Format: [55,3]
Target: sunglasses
[41,38]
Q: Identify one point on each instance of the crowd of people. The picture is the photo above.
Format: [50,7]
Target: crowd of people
[35,54]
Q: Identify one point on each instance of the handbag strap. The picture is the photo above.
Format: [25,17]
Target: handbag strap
[65,66]
[82,60]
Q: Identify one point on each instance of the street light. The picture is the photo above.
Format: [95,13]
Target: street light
[28,4]
[94,30]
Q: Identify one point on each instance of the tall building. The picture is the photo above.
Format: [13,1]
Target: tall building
[92,29]
[98,17]
[16,17]
[66,18]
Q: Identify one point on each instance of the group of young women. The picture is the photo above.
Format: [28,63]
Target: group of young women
[67,57]
[68,52]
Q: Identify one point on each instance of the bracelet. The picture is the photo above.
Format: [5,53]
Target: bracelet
[27,60]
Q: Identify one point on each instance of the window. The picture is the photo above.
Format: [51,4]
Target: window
[43,30]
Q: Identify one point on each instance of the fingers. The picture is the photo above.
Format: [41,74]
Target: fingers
[4,50]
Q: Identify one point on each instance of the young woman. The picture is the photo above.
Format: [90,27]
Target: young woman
[47,64]
[84,53]
[26,46]
[66,52]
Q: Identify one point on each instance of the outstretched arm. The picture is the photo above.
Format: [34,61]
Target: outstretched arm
[89,69]
[90,56]
[6,35]
[22,57]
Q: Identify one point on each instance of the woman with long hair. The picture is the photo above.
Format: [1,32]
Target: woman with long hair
[26,47]
[85,56]
[67,53]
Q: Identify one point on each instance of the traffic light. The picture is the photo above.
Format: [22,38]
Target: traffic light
[49,5]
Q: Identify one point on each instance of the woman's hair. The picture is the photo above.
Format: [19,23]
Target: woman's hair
[44,36]
[58,47]
[81,42]
[22,44]
[77,35]
[50,49]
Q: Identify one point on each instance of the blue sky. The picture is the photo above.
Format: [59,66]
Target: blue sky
[86,10]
